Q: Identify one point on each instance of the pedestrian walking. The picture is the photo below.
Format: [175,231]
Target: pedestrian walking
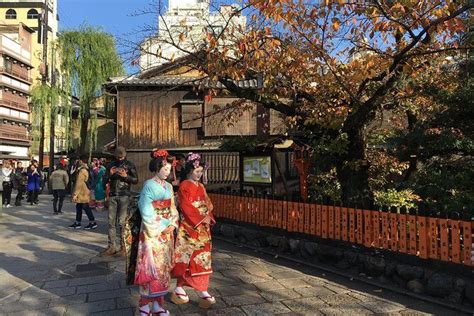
[120,174]
[99,191]
[193,243]
[6,176]
[154,258]
[58,181]
[81,196]
[20,181]
[34,182]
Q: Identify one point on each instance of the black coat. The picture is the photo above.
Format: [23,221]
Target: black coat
[120,186]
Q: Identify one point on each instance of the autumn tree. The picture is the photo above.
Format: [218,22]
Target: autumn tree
[331,66]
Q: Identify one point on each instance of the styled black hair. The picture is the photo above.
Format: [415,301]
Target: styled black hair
[157,163]
[180,156]
[189,167]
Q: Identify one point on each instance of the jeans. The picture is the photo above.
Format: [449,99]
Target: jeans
[7,192]
[87,209]
[118,210]
[58,200]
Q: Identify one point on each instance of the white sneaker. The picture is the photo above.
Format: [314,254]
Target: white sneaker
[8,206]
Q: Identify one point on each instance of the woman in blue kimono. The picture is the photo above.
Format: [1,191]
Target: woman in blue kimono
[156,239]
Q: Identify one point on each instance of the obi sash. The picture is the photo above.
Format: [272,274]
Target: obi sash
[162,207]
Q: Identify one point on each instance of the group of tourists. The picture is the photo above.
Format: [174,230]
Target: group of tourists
[13,176]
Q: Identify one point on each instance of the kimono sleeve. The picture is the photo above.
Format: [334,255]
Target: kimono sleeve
[191,214]
[174,220]
[152,227]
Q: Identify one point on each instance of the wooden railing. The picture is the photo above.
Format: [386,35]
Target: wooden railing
[14,136]
[423,236]
[19,74]
[16,105]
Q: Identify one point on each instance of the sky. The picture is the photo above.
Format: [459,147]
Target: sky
[117,17]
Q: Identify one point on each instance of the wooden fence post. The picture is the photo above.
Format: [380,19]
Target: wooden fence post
[413,246]
[403,230]
[394,228]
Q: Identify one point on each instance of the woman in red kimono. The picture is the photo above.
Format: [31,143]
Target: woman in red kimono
[193,244]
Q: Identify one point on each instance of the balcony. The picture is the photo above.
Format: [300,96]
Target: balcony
[15,105]
[19,137]
[14,101]
[14,49]
[23,75]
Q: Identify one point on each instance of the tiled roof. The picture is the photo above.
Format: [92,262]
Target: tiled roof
[172,81]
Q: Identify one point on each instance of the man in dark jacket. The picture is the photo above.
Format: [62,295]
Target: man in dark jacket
[119,175]
[20,181]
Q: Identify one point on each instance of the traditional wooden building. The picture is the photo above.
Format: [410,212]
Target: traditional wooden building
[168,107]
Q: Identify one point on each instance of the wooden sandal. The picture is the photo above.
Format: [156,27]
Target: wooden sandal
[179,299]
[206,301]
[162,312]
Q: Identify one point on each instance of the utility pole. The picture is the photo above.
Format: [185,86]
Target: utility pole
[44,77]
[52,119]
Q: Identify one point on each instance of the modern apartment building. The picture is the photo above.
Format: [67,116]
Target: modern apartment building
[15,82]
[41,16]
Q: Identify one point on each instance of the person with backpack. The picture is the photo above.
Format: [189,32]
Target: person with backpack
[81,195]
[119,175]
[58,182]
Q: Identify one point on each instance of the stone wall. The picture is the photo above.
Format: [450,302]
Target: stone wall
[450,282]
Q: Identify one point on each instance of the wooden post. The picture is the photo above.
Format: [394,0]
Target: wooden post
[337,222]
[324,221]
[413,246]
[393,228]
[456,241]
[403,230]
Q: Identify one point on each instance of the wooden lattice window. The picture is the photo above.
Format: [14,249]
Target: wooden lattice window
[191,115]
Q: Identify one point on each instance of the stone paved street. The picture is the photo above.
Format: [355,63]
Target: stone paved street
[47,269]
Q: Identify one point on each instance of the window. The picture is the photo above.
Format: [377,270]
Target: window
[10,15]
[191,115]
[7,64]
[32,14]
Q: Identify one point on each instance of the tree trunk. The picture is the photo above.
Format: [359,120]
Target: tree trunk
[41,143]
[52,127]
[84,130]
[353,171]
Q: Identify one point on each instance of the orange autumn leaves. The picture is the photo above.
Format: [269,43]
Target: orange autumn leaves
[339,52]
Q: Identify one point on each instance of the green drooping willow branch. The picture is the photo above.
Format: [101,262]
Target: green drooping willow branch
[88,58]
[45,100]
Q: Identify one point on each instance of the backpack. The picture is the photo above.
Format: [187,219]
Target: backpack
[92,180]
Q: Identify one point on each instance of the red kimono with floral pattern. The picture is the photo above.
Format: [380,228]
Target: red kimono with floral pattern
[193,244]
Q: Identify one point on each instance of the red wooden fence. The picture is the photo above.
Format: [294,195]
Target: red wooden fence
[426,237]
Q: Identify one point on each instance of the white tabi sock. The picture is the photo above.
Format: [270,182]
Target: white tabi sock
[180,290]
[145,310]
[158,309]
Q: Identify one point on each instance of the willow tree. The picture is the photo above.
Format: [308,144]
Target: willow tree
[88,58]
